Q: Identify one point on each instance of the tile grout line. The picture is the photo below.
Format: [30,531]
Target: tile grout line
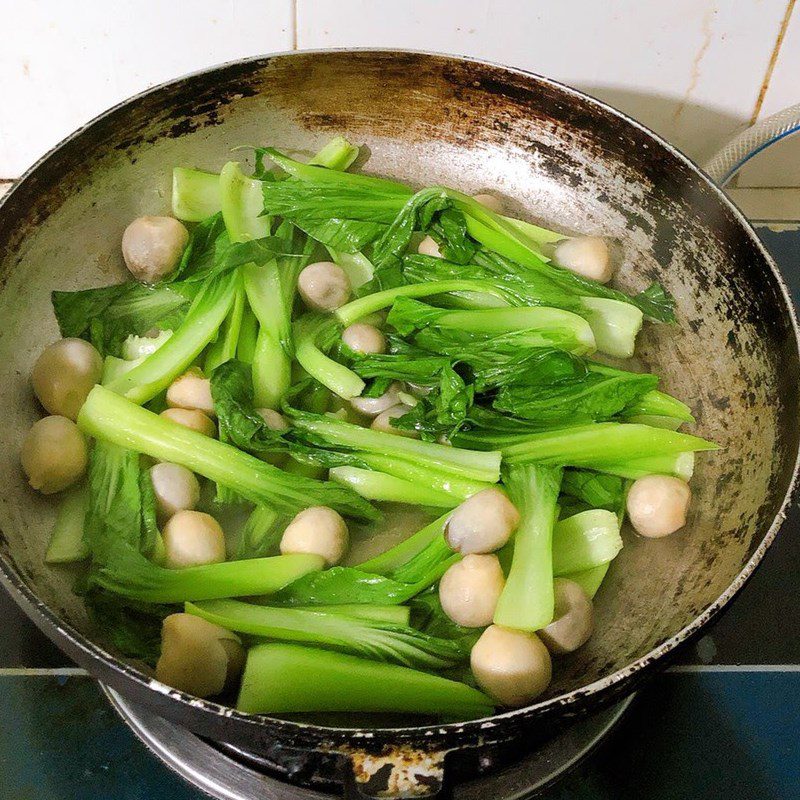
[294,24]
[773,60]
[41,671]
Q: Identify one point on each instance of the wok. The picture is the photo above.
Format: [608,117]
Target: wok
[564,158]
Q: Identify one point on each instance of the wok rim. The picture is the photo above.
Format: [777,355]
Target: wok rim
[104,666]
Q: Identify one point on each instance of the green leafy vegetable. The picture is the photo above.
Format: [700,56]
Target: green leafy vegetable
[527,600]
[281,678]
[105,415]
[381,641]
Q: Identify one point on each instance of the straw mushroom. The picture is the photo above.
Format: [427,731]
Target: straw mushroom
[191,539]
[319,530]
[490,201]
[364,339]
[191,418]
[372,406]
[197,656]
[191,390]
[657,505]
[588,256]
[573,621]
[153,246]
[512,666]
[175,487]
[470,589]
[324,286]
[64,374]
[383,422]
[54,454]
[428,247]
[483,523]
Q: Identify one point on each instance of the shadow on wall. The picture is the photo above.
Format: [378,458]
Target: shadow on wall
[698,130]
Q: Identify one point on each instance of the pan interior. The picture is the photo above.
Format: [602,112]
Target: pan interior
[555,157]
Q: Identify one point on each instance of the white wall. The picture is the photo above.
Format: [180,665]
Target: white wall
[694,70]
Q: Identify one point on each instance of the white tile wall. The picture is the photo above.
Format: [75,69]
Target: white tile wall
[780,165]
[691,69]
[63,62]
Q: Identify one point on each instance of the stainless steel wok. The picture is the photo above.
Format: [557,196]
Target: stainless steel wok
[560,157]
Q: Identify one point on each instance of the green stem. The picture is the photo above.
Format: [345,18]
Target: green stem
[480,466]
[108,416]
[381,487]
[202,321]
[599,443]
[360,636]
[284,678]
[66,540]
[527,601]
[390,560]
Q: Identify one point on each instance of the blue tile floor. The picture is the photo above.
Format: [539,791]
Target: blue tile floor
[706,730]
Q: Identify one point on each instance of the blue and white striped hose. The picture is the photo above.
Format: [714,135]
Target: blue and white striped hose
[728,161]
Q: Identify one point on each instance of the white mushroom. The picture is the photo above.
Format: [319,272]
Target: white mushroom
[428,247]
[363,338]
[585,255]
[191,390]
[324,286]
[470,589]
[483,523]
[197,656]
[64,374]
[319,530]
[573,621]
[273,419]
[54,454]
[191,539]
[191,418]
[372,406]
[153,246]
[490,201]
[383,422]
[657,505]
[511,666]
[175,487]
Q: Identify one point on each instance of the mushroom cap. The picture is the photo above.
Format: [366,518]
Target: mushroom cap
[197,656]
[428,247]
[483,523]
[191,539]
[319,530]
[573,620]
[470,589]
[490,201]
[363,338]
[64,374]
[511,666]
[324,286]
[192,390]
[191,418]
[657,505]
[383,422]
[54,454]
[176,488]
[372,406]
[152,247]
[588,256]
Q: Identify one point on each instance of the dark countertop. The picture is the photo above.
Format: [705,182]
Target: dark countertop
[724,723]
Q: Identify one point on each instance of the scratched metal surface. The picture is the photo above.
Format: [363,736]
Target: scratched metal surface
[559,158]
